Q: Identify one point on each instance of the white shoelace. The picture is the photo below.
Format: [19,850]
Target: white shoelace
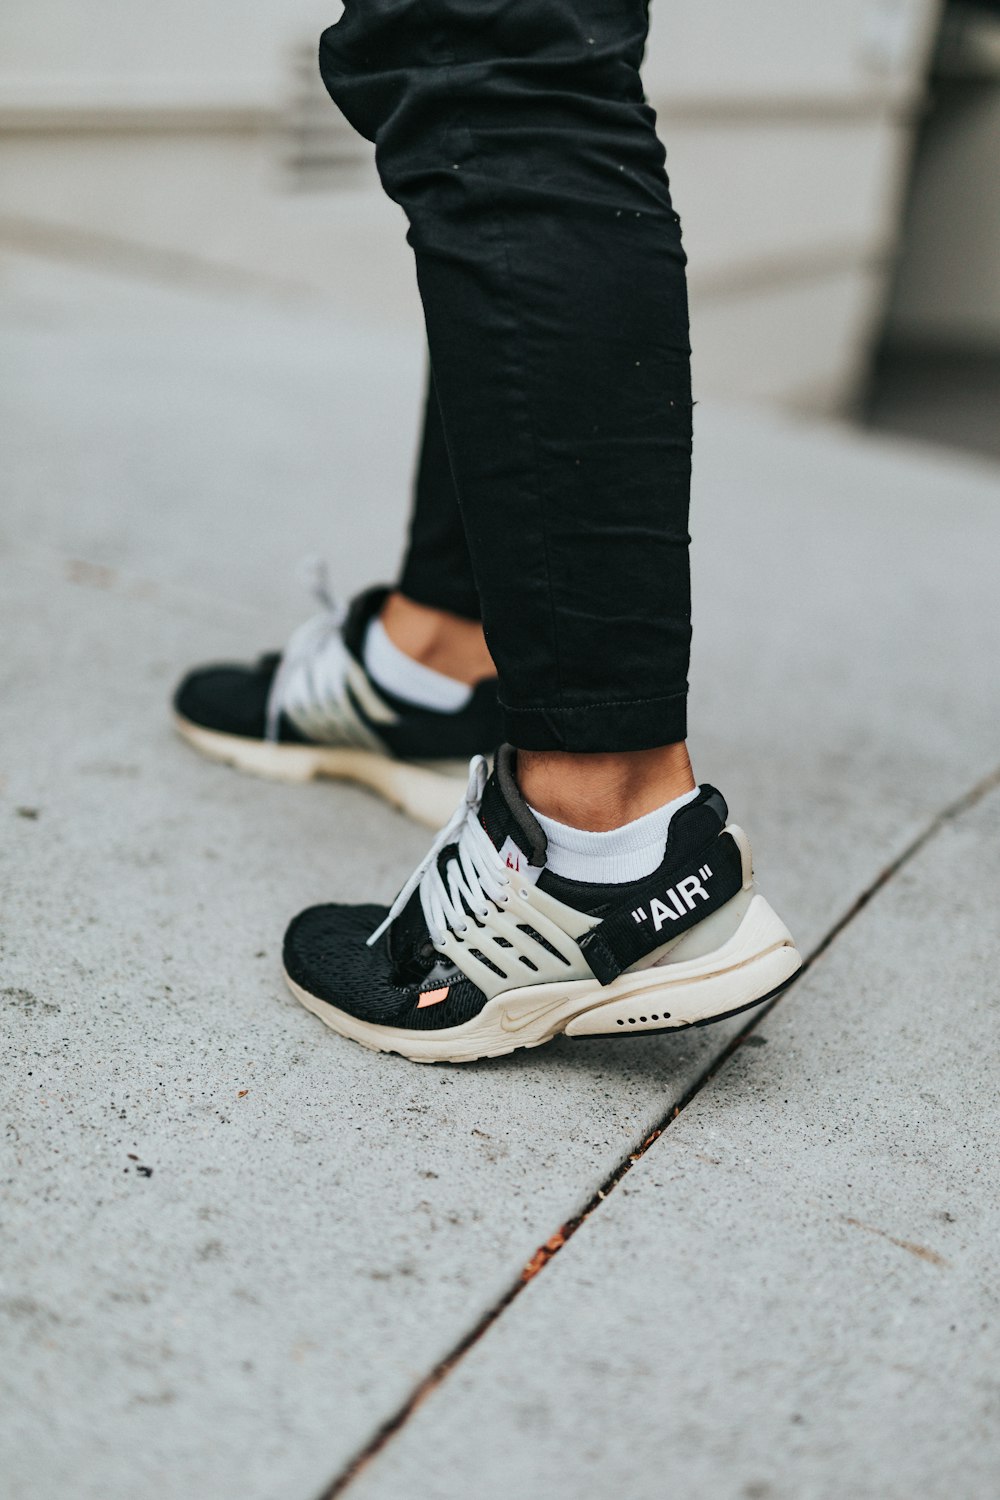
[309,682]
[475,875]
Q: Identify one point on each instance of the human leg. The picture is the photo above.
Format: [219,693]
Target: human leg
[516,137]
[549,262]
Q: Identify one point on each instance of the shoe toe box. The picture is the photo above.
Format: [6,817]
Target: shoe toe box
[326,953]
[227,698]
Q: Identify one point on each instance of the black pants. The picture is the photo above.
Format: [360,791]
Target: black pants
[553,488]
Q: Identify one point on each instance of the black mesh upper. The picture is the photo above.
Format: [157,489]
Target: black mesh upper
[326,952]
[232,699]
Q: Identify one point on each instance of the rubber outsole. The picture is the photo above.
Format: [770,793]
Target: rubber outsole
[726,1015]
[425,793]
[578,1009]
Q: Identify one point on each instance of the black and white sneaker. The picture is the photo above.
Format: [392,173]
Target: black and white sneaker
[313,710]
[485,950]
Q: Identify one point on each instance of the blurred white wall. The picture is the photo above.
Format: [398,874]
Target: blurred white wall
[197,131]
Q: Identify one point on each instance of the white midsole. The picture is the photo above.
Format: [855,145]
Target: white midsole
[427,793]
[759,958]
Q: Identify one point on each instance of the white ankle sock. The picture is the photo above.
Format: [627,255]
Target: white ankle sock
[399,674]
[611,858]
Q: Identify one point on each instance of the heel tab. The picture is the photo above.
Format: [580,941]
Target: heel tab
[713,798]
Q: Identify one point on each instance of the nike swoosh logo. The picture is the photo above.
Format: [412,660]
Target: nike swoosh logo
[525,1018]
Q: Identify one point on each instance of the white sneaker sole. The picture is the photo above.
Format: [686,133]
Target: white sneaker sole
[758,960]
[427,793]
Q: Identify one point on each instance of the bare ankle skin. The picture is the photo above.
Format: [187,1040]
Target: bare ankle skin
[444,642]
[600,792]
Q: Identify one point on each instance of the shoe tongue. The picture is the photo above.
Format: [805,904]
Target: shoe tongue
[512,827]
[408,940]
[513,830]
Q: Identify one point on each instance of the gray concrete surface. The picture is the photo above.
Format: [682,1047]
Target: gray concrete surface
[793,1294]
[321,1226]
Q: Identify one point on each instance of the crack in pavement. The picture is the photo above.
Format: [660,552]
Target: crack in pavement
[554,1244]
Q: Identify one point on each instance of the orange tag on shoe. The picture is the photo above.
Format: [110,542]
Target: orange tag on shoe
[432,997]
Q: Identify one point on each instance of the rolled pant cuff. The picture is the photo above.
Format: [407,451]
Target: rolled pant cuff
[608,728]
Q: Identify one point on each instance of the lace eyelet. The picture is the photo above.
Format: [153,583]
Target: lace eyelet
[523,893]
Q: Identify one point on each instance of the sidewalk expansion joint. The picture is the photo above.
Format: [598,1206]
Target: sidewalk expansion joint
[554,1244]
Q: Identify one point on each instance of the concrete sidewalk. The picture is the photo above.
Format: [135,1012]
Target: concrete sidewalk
[237,1247]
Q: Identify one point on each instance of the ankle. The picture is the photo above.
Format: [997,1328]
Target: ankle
[599,792]
[444,642]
